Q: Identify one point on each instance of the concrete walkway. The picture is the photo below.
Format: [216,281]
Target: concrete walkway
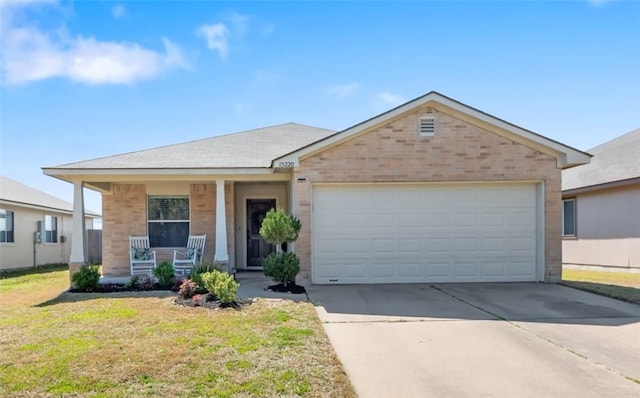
[491,340]
[254,284]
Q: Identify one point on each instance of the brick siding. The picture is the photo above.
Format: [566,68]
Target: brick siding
[459,151]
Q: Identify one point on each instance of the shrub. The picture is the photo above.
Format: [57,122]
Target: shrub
[207,266]
[279,227]
[281,267]
[222,285]
[145,282]
[209,280]
[187,289]
[165,274]
[226,288]
[133,283]
[198,270]
[87,278]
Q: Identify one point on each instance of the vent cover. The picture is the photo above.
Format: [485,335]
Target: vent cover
[427,126]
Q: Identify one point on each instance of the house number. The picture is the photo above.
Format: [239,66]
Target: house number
[285,164]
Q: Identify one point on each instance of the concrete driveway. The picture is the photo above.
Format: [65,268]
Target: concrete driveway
[497,340]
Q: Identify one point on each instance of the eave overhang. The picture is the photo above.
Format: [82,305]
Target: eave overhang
[101,179]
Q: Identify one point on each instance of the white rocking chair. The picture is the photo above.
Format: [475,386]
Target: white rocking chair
[141,257]
[184,261]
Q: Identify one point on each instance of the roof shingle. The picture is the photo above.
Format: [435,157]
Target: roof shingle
[18,193]
[615,160]
[247,149]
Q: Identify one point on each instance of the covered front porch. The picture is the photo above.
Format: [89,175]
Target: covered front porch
[228,210]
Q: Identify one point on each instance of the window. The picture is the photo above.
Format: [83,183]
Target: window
[168,219]
[50,229]
[427,126]
[6,226]
[569,217]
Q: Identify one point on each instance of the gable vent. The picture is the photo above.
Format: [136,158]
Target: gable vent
[427,126]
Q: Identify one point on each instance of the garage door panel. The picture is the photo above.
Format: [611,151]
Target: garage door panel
[411,246]
[521,218]
[424,233]
[496,269]
[466,269]
[522,245]
[493,245]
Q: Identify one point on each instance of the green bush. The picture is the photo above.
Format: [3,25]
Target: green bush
[226,288]
[196,274]
[165,274]
[279,227]
[87,278]
[222,285]
[133,283]
[281,267]
[209,280]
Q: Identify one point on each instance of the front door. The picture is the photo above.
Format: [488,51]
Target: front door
[257,248]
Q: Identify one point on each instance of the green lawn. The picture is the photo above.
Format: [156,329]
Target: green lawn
[619,285]
[142,345]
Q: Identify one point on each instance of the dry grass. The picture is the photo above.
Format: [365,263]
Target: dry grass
[141,344]
[619,285]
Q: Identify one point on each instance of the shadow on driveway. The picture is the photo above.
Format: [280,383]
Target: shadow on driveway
[529,302]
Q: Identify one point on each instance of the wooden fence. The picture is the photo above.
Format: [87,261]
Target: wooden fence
[94,244]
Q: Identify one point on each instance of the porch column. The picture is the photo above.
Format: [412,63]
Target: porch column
[79,233]
[221,255]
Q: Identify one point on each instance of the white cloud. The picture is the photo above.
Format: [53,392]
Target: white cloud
[343,90]
[217,37]
[388,99]
[240,24]
[31,54]
[118,11]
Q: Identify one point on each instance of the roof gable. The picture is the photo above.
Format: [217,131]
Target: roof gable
[613,161]
[565,155]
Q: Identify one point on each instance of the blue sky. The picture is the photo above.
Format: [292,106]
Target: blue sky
[86,79]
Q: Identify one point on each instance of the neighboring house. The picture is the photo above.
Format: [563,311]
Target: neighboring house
[35,227]
[601,206]
[430,191]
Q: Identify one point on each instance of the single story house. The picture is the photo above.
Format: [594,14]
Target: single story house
[601,206]
[35,227]
[430,191]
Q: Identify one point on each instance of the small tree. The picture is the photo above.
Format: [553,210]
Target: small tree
[278,228]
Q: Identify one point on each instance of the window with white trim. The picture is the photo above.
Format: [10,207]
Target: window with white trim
[50,229]
[168,221]
[6,226]
[569,217]
[427,126]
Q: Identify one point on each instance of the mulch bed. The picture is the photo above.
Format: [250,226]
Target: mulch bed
[211,302]
[290,288]
[114,288]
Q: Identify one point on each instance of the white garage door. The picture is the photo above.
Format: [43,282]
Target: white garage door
[393,233]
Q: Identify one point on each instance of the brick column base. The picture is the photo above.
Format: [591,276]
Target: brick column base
[73,268]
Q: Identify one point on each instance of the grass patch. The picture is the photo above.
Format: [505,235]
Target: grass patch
[139,344]
[618,285]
